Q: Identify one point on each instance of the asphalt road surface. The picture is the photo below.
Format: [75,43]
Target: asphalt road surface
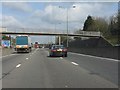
[6,51]
[38,70]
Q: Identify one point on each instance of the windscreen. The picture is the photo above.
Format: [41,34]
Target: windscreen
[22,40]
[56,47]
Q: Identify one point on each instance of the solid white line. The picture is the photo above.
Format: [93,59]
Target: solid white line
[74,63]
[8,55]
[109,59]
[18,65]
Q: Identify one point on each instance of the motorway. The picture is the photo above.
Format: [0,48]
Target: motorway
[38,70]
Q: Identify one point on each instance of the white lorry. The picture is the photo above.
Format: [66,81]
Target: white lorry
[23,43]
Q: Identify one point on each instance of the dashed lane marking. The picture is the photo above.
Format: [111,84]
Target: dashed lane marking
[74,63]
[61,57]
[66,86]
[27,58]
[18,65]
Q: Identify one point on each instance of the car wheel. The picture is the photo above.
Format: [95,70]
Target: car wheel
[50,55]
[66,55]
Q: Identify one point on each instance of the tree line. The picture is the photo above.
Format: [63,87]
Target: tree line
[102,25]
[109,28]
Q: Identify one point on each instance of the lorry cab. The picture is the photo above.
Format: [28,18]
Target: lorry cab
[23,43]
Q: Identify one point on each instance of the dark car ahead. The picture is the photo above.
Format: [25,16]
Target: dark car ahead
[58,50]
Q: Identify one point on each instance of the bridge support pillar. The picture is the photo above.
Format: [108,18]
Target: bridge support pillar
[59,40]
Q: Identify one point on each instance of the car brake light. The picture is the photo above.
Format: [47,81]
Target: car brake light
[64,50]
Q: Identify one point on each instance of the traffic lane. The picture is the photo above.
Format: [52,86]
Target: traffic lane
[8,51]
[99,66]
[10,62]
[41,71]
[76,74]
[29,74]
[102,67]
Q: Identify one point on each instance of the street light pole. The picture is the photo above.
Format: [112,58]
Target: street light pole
[67,27]
[67,24]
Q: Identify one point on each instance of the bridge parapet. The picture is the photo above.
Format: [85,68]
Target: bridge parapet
[93,33]
[83,34]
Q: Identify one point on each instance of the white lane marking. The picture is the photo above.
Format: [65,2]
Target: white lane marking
[35,51]
[37,48]
[66,86]
[74,63]
[12,55]
[109,59]
[8,55]
[61,57]
[27,58]
[18,65]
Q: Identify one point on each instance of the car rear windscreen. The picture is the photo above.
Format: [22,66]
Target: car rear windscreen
[58,47]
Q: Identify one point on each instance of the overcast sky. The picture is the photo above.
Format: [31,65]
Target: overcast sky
[51,16]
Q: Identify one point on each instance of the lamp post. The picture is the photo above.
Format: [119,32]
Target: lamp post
[67,27]
[67,23]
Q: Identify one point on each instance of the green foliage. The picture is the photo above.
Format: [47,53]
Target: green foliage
[113,27]
[89,24]
[100,24]
[4,37]
[110,30]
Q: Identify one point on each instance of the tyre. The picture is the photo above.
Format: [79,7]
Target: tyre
[66,55]
[28,50]
[50,55]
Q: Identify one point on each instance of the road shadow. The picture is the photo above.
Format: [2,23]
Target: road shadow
[20,53]
[55,56]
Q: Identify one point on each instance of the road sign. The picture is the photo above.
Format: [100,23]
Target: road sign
[6,43]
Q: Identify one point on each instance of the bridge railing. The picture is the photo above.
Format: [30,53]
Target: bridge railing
[50,31]
[92,33]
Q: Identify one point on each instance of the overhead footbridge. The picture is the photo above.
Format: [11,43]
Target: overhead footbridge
[82,33]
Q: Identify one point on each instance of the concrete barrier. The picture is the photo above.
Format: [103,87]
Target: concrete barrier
[100,52]
[94,46]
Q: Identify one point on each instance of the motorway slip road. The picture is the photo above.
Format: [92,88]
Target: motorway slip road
[37,70]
